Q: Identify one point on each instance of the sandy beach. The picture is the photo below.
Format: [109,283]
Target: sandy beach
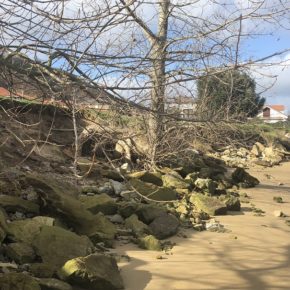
[254,254]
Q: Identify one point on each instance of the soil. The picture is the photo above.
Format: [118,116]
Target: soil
[253,254]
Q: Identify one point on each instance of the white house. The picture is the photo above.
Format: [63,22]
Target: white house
[183,106]
[273,114]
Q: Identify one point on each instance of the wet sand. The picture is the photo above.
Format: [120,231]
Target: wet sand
[254,255]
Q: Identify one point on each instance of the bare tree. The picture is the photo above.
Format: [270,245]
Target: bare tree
[139,52]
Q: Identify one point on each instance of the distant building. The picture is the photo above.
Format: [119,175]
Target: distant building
[273,114]
[182,106]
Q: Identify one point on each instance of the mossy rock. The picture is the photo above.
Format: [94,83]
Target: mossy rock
[61,201]
[26,230]
[146,176]
[42,270]
[172,181]
[208,204]
[13,204]
[21,253]
[152,191]
[93,272]
[139,228]
[18,281]
[56,245]
[99,203]
[150,243]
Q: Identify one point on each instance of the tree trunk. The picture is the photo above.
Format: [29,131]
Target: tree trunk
[158,80]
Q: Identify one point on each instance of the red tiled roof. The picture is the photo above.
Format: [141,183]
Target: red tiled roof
[277,107]
[4,92]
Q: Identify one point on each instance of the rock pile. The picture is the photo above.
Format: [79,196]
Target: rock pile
[259,154]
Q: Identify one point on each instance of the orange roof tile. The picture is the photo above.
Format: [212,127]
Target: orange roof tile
[4,92]
[277,107]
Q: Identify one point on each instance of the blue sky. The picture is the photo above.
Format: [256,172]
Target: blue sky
[261,46]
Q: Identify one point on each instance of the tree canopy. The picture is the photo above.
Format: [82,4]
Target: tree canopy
[230,94]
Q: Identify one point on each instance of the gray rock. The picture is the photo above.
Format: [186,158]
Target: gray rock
[164,226]
[117,186]
[148,212]
[117,219]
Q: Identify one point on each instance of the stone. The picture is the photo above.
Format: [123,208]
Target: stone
[149,177]
[130,195]
[61,201]
[149,243]
[21,253]
[152,191]
[244,179]
[3,225]
[126,209]
[207,204]
[232,202]
[56,245]
[99,203]
[164,226]
[89,189]
[206,184]
[148,212]
[257,149]
[26,230]
[139,228]
[173,181]
[93,272]
[18,281]
[117,219]
[278,213]
[52,284]
[42,270]
[13,204]
[117,186]
[106,188]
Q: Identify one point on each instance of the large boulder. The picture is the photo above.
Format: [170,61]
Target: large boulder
[93,272]
[18,281]
[139,228]
[174,181]
[55,245]
[13,204]
[152,191]
[60,198]
[164,226]
[273,155]
[99,203]
[208,204]
[146,176]
[243,178]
